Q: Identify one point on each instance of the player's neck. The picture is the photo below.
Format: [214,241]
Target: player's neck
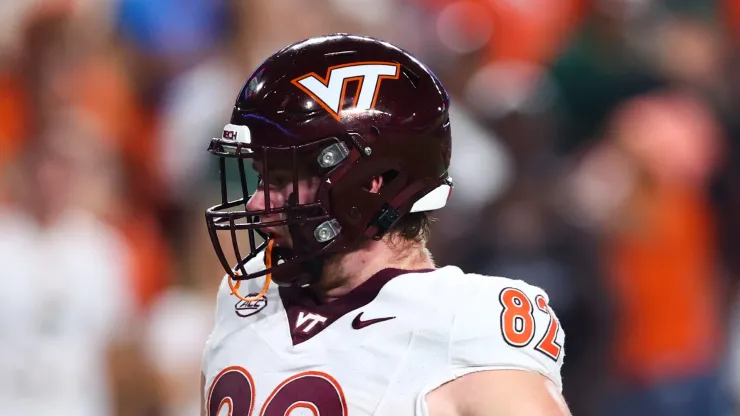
[347,271]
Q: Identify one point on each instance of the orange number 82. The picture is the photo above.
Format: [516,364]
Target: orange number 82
[518,324]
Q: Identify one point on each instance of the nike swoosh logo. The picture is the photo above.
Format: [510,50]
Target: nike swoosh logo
[358,323]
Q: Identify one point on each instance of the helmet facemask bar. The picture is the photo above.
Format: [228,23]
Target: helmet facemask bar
[226,216]
[218,220]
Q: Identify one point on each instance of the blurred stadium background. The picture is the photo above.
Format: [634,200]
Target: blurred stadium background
[596,154]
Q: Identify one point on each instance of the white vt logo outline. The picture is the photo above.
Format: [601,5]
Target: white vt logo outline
[329,91]
[306,317]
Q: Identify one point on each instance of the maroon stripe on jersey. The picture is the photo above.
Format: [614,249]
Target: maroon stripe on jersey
[308,315]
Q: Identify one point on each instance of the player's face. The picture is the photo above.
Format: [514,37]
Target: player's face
[281,187]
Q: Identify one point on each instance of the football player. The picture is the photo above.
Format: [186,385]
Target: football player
[340,309]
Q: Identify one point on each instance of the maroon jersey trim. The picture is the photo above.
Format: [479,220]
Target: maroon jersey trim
[308,315]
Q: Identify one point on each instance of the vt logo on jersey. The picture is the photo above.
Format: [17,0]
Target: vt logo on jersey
[245,309]
[330,90]
[308,321]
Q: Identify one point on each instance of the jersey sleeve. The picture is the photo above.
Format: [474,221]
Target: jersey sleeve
[507,325]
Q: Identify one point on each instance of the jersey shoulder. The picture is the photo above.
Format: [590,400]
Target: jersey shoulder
[505,324]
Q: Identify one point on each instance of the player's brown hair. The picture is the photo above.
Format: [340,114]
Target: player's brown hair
[414,227]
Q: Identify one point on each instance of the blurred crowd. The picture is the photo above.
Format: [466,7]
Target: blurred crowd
[596,154]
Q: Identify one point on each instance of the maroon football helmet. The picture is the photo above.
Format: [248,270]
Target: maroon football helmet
[349,108]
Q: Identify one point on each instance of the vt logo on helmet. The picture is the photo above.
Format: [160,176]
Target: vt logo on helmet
[320,121]
[330,91]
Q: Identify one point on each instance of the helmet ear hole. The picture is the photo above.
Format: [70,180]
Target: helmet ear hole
[375,184]
[389,176]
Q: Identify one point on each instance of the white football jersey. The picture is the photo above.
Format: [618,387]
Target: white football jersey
[377,350]
[64,296]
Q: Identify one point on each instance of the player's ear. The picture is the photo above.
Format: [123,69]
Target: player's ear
[374,185]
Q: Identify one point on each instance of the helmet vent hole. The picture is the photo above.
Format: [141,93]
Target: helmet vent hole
[375,130]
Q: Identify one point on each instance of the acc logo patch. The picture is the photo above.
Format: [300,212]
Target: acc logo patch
[245,309]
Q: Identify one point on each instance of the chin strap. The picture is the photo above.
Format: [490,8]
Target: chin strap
[235,285]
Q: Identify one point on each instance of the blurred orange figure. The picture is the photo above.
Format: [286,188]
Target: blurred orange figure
[661,256]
